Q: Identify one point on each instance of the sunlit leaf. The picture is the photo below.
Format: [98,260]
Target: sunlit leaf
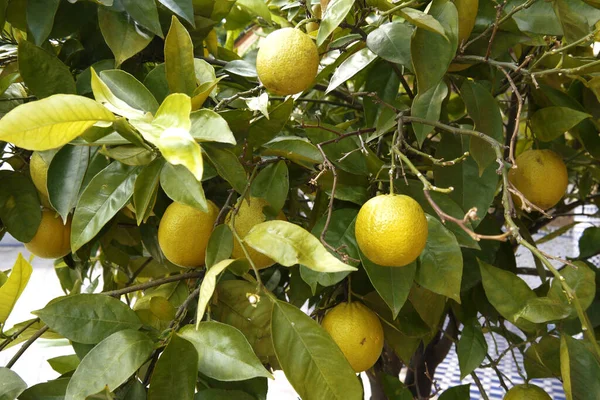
[14,286]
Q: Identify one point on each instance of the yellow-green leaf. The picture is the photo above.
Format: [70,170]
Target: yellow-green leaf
[208,287]
[179,59]
[106,97]
[289,244]
[51,122]
[14,286]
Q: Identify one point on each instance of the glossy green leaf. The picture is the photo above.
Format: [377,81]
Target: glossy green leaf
[312,362]
[543,309]
[507,293]
[130,154]
[228,166]
[43,73]
[109,364]
[296,149]
[104,95]
[65,178]
[40,18]
[64,364]
[256,7]
[208,288]
[462,392]
[88,318]
[551,122]
[220,245]
[440,264]
[107,193]
[392,284]
[264,129]
[183,8]
[589,243]
[428,106]
[19,205]
[51,122]
[145,13]
[272,184]
[175,374]
[582,279]
[580,370]
[542,359]
[12,289]
[289,244]
[127,88]
[538,18]
[421,20]
[429,306]
[51,390]
[471,348]
[351,66]
[179,59]
[181,186]
[224,353]
[146,189]
[335,13]
[156,82]
[121,35]
[208,126]
[11,384]
[576,18]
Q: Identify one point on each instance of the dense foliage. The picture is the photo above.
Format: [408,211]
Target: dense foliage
[131,105]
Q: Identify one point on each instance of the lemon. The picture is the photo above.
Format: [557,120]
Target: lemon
[184,231]
[287,61]
[541,176]
[358,333]
[391,230]
[53,238]
[526,392]
[250,213]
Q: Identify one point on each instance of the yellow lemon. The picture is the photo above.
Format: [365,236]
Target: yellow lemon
[391,230]
[287,61]
[53,238]
[358,333]
[526,392]
[250,213]
[184,231]
[541,175]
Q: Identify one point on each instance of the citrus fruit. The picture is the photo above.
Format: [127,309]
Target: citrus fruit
[287,61]
[184,231]
[250,213]
[526,392]
[53,238]
[541,176]
[391,230]
[358,333]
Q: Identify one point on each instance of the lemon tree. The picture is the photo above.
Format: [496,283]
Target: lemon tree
[231,191]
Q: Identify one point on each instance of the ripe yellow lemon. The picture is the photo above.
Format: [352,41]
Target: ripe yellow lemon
[358,333]
[541,175]
[287,61]
[391,230]
[526,392]
[250,213]
[184,231]
[53,238]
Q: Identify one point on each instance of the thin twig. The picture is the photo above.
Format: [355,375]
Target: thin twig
[154,283]
[26,345]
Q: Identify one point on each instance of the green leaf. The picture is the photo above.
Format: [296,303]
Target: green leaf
[52,390]
[40,18]
[19,205]
[580,370]
[576,18]
[64,364]
[228,166]
[104,95]
[589,243]
[310,359]
[88,318]
[127,88]
[543,309]
[107,193]
[471,348]
[537,18]
[30,328]
[208,126]
[462,392]
[428,106]
[109,364]
[183,8]
[11,384]
[220,245]
[52,122]
[146,189]
[431,52]
[181,186]
[14,286]
[264,129]
[485,113]
[65,178]
[179,59]
[289,244]
[256,7]
[421,20]
[208,288]
[295,149]
[175,374]
[335,13]
[272,184]
[582,279]
[130,154]
[145,13]
[224,352]
[542,359]
[351,66]
[43,73]
[393,284]
[156,82]
[121,35]
[507,293]
[440,264]
[551,122]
